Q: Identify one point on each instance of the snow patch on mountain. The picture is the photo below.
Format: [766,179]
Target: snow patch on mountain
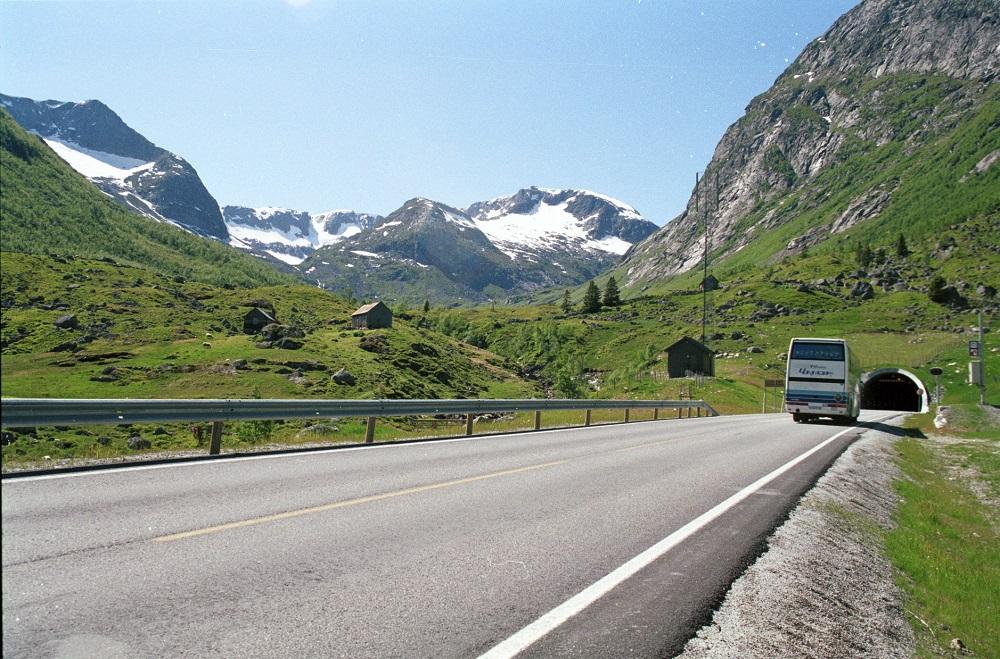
[96,164]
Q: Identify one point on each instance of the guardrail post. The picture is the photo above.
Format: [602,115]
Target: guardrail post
[538,419]
[680,412]
[215,445]
[656,414]
[586,419]
[626,414]
[468,423]
[370,431]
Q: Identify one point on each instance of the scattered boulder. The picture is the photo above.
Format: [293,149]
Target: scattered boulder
[7,438]
[755,349]
[240,364]
[66,346]
[138,443]
[984,290]
[374,343]
[104,440]
[319,429]
[344,377]
[287,344]
[737,335]
[862,291]
[69,321]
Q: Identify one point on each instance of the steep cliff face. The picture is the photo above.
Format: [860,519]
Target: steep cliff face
[835,141]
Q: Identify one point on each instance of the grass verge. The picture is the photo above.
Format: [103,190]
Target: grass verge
[944,544]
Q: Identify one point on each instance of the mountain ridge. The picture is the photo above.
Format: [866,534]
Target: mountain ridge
[810,158]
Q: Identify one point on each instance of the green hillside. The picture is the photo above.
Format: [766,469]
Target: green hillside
[139,334]
[47,208]
[619,352]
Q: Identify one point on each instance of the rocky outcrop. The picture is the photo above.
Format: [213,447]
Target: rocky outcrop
[847,93]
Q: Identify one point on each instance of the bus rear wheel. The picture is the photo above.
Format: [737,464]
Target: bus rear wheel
[798,418]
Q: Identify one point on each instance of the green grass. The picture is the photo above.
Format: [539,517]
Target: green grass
[945,549]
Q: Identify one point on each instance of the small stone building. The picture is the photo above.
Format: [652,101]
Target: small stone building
[256,319]
[709,283]
[688,356]
[372,316]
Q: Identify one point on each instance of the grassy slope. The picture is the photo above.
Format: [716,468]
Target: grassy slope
[625,345]
[164,339]
[46,207]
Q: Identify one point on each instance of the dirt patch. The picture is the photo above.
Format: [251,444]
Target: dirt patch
[824,587]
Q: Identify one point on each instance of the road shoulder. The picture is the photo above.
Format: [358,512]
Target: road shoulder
[825,586]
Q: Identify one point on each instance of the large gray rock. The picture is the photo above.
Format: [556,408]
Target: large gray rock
[344,377]
[69,321]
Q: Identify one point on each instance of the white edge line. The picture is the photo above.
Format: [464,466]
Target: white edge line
[13,479]
[522,639]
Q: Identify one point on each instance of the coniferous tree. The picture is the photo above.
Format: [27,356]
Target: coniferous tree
[612,296]
[427,306]
[935,291]
[592,298]
[902,249]
[567,306]
[864,255]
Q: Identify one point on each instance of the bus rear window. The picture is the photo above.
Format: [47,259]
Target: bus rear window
[831,352]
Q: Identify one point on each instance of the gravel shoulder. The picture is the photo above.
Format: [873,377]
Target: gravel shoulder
[823,588]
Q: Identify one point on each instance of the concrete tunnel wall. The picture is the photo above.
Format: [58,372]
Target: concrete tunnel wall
[893,389]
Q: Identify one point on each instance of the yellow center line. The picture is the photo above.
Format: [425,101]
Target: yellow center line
[631,448]
[348,502]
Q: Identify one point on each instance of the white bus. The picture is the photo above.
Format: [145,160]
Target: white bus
[822,381]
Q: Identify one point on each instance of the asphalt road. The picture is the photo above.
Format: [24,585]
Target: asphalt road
[555,543]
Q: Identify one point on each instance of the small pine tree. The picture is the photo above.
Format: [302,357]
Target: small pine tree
[427,306]
[612,296]
[863,254]
[902,249]
[592,298]
[935,291]
[567,306]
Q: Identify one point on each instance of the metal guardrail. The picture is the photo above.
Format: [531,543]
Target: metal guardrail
[31,412]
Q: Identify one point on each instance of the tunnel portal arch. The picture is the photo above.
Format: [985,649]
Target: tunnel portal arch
[893,389]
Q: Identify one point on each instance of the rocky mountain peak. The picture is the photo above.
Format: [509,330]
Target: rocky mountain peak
[888,72]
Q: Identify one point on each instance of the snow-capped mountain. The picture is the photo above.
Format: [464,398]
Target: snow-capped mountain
[537,221]
[291,235]
[121,162]
[534,239]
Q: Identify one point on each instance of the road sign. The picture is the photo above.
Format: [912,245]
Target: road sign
[973,348]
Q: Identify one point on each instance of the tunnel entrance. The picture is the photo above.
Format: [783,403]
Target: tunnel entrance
[893,389]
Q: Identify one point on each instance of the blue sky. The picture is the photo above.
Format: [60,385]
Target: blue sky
[322,105]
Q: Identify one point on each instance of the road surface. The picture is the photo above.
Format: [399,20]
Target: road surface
[600,541]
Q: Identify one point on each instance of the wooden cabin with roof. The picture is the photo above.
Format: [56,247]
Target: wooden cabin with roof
[688,357]
[376,315]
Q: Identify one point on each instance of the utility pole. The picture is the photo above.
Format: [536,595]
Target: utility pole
[704,283]
[982,362]
[704,274]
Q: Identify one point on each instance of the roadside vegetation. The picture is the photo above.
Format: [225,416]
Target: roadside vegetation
[944,545]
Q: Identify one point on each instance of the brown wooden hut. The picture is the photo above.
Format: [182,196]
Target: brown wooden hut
[372,316]
[256,319]
[687,356]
